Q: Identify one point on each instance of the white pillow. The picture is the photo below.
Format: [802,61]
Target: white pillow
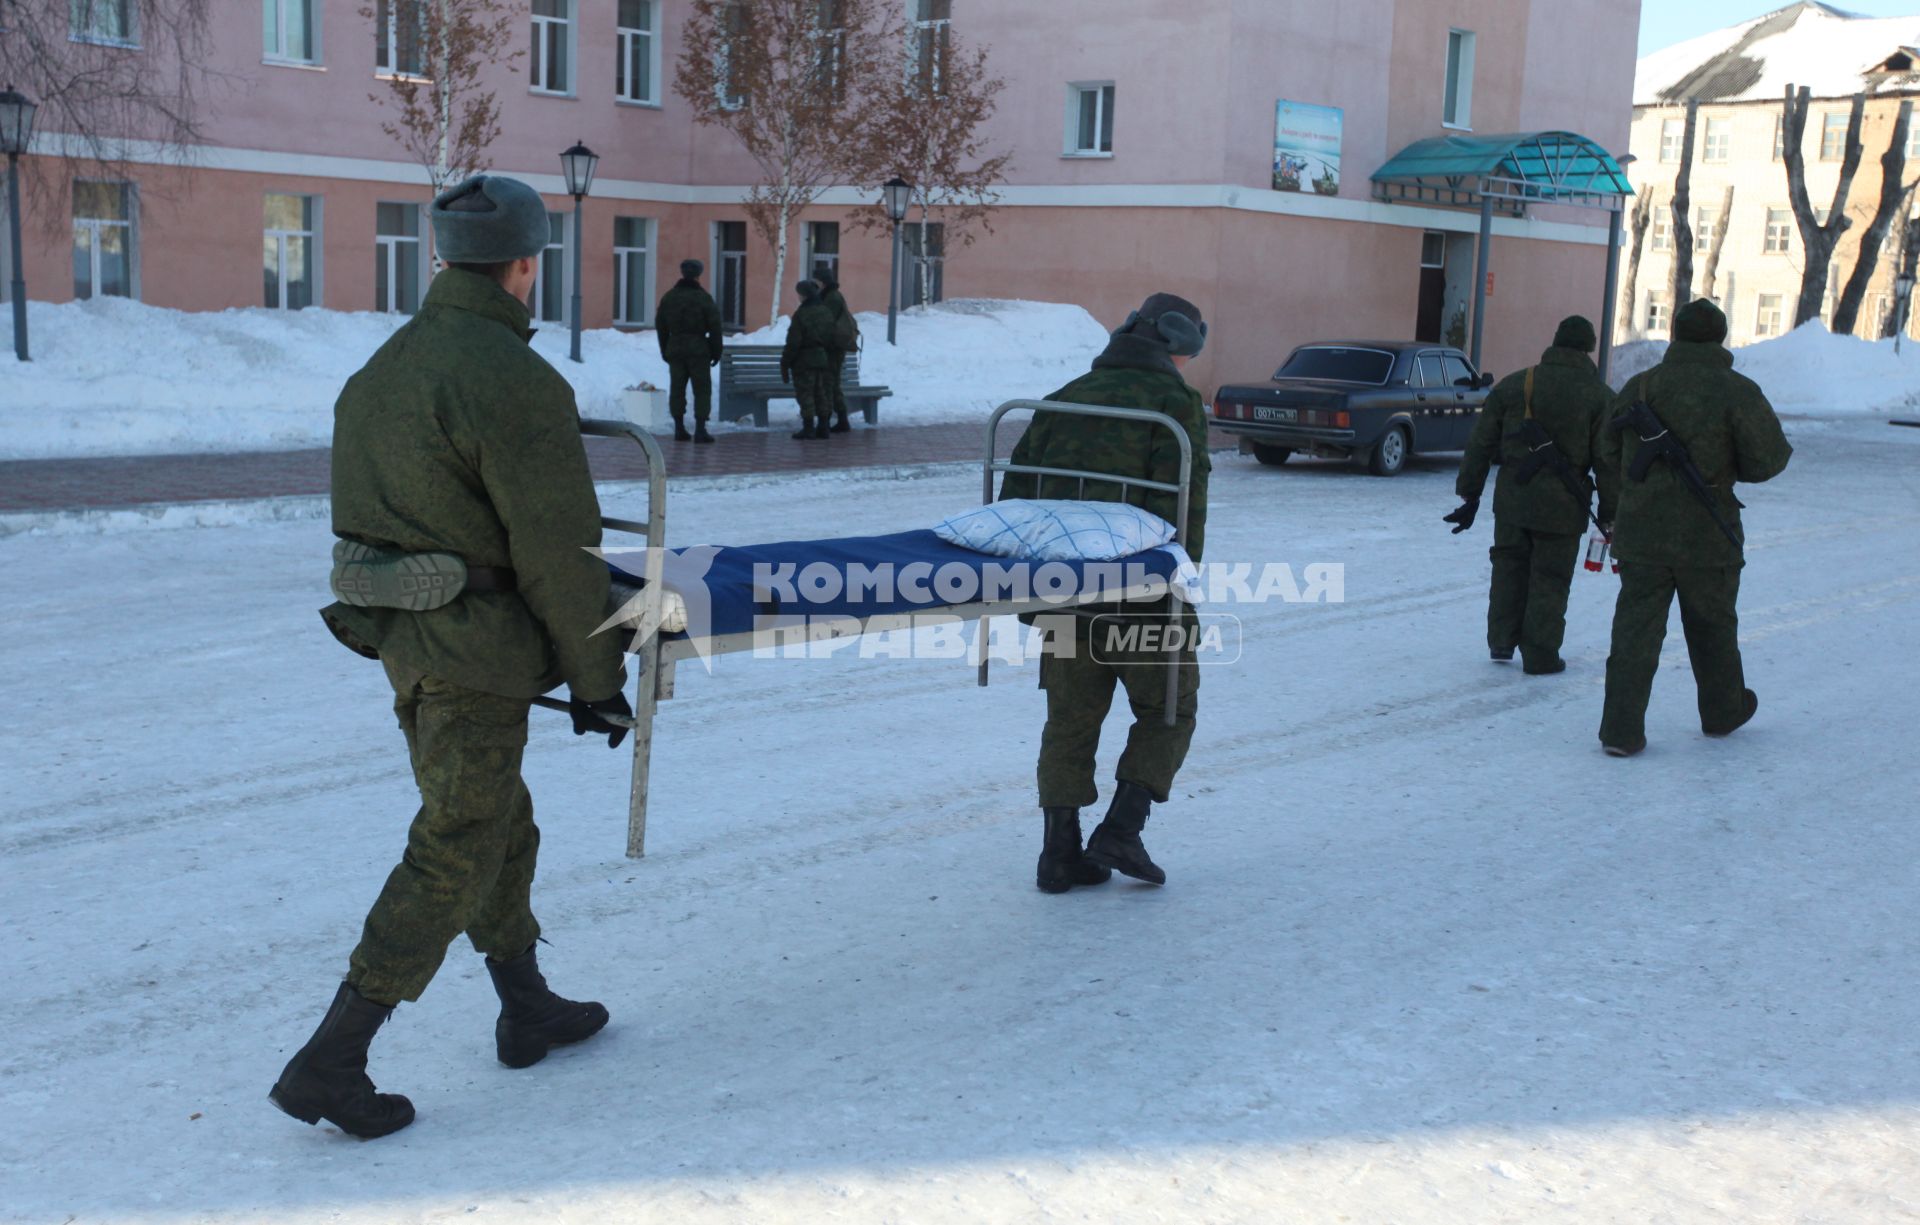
[1057,530]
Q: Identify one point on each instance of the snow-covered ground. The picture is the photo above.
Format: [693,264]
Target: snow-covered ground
[1426,954]
[114,377]
[1810,371]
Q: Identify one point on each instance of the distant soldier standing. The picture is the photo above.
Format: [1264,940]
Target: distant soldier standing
[1669,539]
[805,363]
[1542,426]
[846,338]
[1140,368]
[688,326]
[457,460]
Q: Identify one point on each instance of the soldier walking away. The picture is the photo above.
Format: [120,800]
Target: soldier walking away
[1685,432]
[805,362]
[464,508]
[1542,426]
[846,338]
[688,326]
[1140,368]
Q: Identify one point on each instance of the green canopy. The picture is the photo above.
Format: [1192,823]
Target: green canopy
[1511,171]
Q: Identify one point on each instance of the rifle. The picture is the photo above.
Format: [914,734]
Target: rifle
[1657,443]
[1543,452]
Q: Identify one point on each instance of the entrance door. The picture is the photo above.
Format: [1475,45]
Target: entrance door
[1433,288]
[730,277]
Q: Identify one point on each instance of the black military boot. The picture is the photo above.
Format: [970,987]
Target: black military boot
[1115,842]
[680,430]
[532,1018]
[700,432]
[1062,863]
[840,423]
[806,433]
[327,1078]
[1749,706]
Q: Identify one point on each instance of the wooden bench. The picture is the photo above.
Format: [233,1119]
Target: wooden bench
[750,379]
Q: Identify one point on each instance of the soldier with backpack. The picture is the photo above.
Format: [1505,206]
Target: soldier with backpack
[846,339]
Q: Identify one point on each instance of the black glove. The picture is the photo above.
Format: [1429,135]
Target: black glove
[590,716]
[1462,519]
[713,361]
[786,376]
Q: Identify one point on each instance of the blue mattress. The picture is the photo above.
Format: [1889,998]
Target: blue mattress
[726,584]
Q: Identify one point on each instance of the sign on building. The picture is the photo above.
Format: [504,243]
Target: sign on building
[1306,148]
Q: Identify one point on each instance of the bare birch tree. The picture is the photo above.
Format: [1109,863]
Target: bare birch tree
[437,53]
[1680,283]
[1710,273]
[796,82]
[1817,241]
[1894,195]
[1642,218]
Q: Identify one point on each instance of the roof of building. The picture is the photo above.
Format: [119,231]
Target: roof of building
[1515,168]
[1834,53]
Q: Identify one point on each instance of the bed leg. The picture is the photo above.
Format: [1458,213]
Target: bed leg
[642,750]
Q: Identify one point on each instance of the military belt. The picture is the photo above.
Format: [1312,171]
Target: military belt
[370,577]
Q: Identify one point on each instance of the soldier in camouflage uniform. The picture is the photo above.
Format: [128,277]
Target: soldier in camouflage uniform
[456,439]
[1666,539]
[687,324]
[1537,520]
[805,363]
[1139,369]
[846,336]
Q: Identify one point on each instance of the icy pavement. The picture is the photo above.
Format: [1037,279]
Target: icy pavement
[1426,956]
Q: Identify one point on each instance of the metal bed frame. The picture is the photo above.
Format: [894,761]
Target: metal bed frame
[657,660]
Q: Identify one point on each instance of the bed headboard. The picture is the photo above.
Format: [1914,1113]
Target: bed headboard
[1181,489]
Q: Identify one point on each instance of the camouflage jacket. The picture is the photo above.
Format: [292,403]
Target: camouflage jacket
[1730,430]
[1573,406]
[457,436]
[687,324]
[1133,373]
[846,329]
[809,336]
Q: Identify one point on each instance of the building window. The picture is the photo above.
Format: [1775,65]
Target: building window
[1703,226]
[288,31]
[400,37]
[631,271]
[1779,137]
[1090,119]
[730,273]
[923,263]
[1833,136]
[823,249]
[1719,140]
[927,63]
[102,21]
[1456,110]
[1769,318]
[1671,132]
[550,283]
[734,24]
[639,38]
[1779,231]
[1913,138]
[829,36]
[1659,318]
[397,258]
[548,66]
[1663,228]
[103,240]
[290,252]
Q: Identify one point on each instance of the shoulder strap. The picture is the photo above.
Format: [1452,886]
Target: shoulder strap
[1529,392]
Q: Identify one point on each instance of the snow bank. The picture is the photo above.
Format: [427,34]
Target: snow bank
[114,377]
[1810,371]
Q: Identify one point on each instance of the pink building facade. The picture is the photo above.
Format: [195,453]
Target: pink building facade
[1144,158]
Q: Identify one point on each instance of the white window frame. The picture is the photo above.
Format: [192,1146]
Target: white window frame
[543,34]
[725,96]
[81,28]
[387,40]
[813,254]
[648,231]
[1456,80]
[537,299]
[1838,131]
[1913,138]
[924,33]
[627,36]
[1659,312]
[1717,148]
[1778,239]
[1105,95]
[1705,220]
[1779,137]
[314,262]
[1769,321]
[279,55]
[1662,237]
[95,225]
[391,249]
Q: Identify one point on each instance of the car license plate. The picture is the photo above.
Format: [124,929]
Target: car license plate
[1276,414]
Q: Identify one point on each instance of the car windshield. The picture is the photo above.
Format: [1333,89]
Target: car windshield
[1369,366]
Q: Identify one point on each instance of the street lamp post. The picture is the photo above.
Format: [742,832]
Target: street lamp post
[16,128]
[578,163]
[1903,292]
[895,195]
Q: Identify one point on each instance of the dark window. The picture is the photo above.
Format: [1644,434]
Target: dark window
[1339,365]
[1427,371]
[1458,372]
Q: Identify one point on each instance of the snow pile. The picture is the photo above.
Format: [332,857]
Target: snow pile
[115,377]
[1810,371]
[1821,47]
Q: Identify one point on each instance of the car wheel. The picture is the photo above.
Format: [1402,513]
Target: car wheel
[1389,455]
[1271,455]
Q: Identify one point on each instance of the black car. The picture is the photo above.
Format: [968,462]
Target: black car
[1381,401]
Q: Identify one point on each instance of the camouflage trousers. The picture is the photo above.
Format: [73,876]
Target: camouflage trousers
[837,358]
[1527,608]
[698,373]
[1079,694]
[1711,622]
[470,853]
[815,390]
